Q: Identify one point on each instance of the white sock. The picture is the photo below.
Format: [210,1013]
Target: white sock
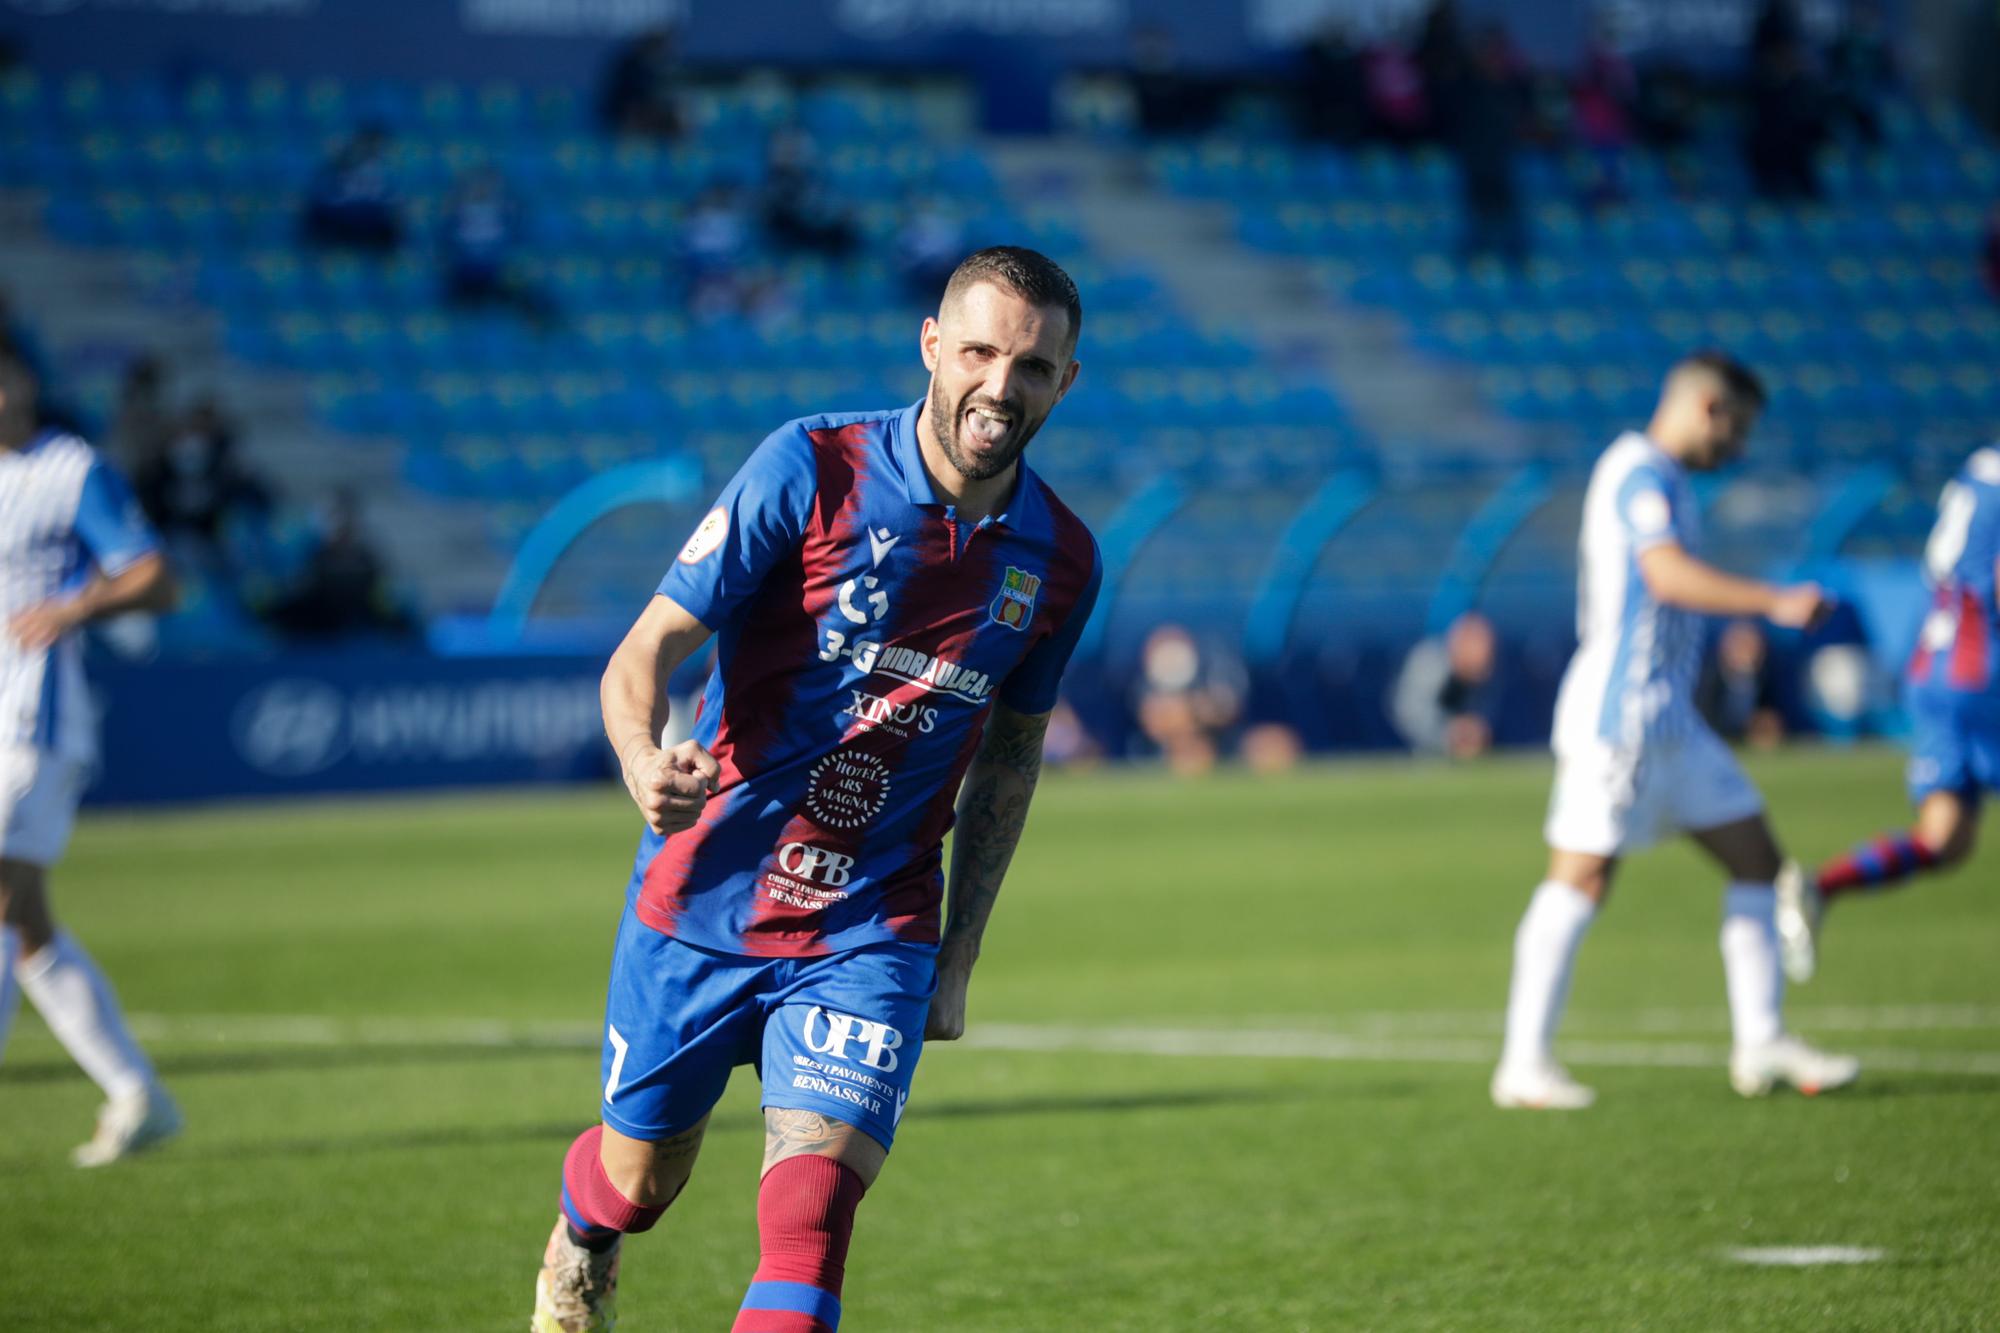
[1544,951]
[10,990]
[1750,963]
[76,1002]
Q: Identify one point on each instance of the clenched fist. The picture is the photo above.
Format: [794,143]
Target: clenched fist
[1803,606]
[671,786]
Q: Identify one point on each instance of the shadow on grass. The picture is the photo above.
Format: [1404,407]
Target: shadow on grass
[1873,1087]
[197,1148]
[312,1059]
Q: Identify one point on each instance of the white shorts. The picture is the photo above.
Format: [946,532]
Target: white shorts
[39,791]
[1609,800]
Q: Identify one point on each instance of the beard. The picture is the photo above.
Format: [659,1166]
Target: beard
[948,427]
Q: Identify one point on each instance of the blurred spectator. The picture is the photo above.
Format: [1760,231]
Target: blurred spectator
[1861,71]
[639,95]
[715,253]
[1270,747]
[1841,683]
[482,235]
[192,484]
[342,591]
[1068,743]
[1484,111]
[1399,110]
[1737,692]
[1989,252]
[1332,91]
[929,245]
[351,203]
[1603,101]
[1777,27]
[1665,116]
[801,212]
[1442,55]
[141,425]
[1448,695]
[1187,698]
[1168,99]
[1787,124]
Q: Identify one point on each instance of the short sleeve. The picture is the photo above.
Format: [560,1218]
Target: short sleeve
[110,523]
[1646,510]
[1031,687]
[760,516]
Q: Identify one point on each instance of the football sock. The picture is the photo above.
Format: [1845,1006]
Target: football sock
[1750,963]
[598,1213]
[805,1218]
[1545,948]
[1876,864]
[77,1003]
[10,989]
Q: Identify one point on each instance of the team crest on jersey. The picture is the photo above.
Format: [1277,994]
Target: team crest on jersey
[1015,606]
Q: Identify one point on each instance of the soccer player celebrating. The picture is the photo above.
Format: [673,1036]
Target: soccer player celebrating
[895,596]
[1633,757]
[1953,694]
[73,548]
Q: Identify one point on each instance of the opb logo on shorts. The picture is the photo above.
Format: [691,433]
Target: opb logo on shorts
[828,1033]
[829,868]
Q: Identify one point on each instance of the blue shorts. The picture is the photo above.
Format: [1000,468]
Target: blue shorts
[1954,743]
[838,1034]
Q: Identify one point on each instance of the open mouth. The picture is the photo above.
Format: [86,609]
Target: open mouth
[987,426]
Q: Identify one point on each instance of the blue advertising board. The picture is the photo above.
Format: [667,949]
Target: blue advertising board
[341,722]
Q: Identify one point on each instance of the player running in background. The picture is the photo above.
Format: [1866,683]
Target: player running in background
[895,596]
[73,548]
[1953,694]
[1634,760]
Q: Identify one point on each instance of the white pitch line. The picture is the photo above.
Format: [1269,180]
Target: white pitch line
[1806,1017]
[1804,1256]
[1222,1043]
[1269,1042]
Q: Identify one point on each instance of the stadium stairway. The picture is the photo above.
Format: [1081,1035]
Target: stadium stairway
[87,307]
[1367,355]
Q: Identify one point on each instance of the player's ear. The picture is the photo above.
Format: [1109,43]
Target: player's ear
[1068,378]
[927,342]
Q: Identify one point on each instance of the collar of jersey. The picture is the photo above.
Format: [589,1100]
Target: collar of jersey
[1024,508]
[1653,447]
[35,441]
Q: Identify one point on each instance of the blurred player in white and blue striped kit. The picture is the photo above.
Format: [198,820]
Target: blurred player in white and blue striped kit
[74,547]
[1635,761]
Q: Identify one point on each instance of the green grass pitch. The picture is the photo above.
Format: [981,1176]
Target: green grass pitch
[1228,1073]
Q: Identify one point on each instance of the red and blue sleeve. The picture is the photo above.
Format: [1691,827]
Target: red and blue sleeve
[760,517]
[1031,687]
[110,523]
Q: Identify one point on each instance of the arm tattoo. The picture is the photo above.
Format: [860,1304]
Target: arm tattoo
[992,811]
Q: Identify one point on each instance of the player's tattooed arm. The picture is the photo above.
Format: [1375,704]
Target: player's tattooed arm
[992,811]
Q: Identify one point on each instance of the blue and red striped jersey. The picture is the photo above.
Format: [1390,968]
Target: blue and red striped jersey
[1961,636]
[863,633]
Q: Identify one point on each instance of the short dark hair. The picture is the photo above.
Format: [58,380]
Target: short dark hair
[1029,274]
[15,363]
[1739,380]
